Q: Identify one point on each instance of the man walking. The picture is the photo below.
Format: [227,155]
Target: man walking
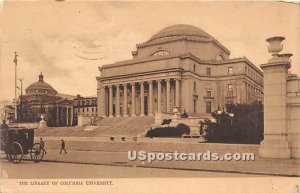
[42,147]
[63,146]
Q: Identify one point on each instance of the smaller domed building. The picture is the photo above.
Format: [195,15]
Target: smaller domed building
[42,99]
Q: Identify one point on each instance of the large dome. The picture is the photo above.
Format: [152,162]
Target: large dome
[40,87]
[180,30]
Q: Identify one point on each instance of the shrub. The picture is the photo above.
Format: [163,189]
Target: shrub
[245,127]
[177,131]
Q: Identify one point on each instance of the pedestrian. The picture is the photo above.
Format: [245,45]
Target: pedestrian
[63,146]
[42,147]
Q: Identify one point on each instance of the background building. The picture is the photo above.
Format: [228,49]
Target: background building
[42,99]
[181,66]
[85,106]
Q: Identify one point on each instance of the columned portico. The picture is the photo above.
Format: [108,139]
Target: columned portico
[146,89]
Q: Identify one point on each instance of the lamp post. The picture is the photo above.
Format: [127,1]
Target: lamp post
[219,112]
[231,115]
[16,63]
[21,89]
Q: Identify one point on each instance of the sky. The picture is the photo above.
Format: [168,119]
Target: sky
[68,40]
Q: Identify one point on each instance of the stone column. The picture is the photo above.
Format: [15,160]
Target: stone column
[67,116]
[57,116]
[168,94]
[275,143]
[142,99]
[110,101]
[133,99]
[72,116]
[159,96]
[150,105]
[118,101]
[101,102]
[177,95]
[125,100]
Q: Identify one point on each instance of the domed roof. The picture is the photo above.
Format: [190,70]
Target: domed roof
[180,30]
[40,87]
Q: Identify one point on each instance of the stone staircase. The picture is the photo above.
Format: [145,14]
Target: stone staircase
[110,126]
[127,126]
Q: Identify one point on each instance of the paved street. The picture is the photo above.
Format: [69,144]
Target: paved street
[119,160]
[28,169]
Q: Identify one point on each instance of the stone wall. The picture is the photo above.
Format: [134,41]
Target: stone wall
[293,116]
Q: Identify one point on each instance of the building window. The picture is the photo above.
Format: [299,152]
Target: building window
[230,89]
[230,70]
[83,103]
[87,109]
[92,109]
[83,110]
[195,86]
[161,53]
[208,107]
[194,68]
[87,102]
[195,104]
[208,71]
[78,103]
[208,93]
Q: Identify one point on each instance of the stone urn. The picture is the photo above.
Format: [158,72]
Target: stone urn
[275,44]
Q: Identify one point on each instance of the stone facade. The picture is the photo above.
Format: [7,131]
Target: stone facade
[180,66]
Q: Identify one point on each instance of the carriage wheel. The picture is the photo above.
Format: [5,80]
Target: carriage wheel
[37,152]
[15,152]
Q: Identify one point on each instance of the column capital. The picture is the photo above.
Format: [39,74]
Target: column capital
[167,79]
[117,85]
[150,81]
[109,86]
[158,80]
[142,82]
[132,84]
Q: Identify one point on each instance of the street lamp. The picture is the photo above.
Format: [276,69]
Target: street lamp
[231,115]
[219,112]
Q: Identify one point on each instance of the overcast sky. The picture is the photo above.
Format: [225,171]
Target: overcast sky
[62,39]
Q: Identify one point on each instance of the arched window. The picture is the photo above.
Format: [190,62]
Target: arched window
[161,53]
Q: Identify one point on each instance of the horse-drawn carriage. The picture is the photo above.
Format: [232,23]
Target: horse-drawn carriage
[19,141]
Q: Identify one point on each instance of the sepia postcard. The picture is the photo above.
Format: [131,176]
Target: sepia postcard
[149,96]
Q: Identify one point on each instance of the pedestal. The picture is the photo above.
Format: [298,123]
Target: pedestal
[275,148]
